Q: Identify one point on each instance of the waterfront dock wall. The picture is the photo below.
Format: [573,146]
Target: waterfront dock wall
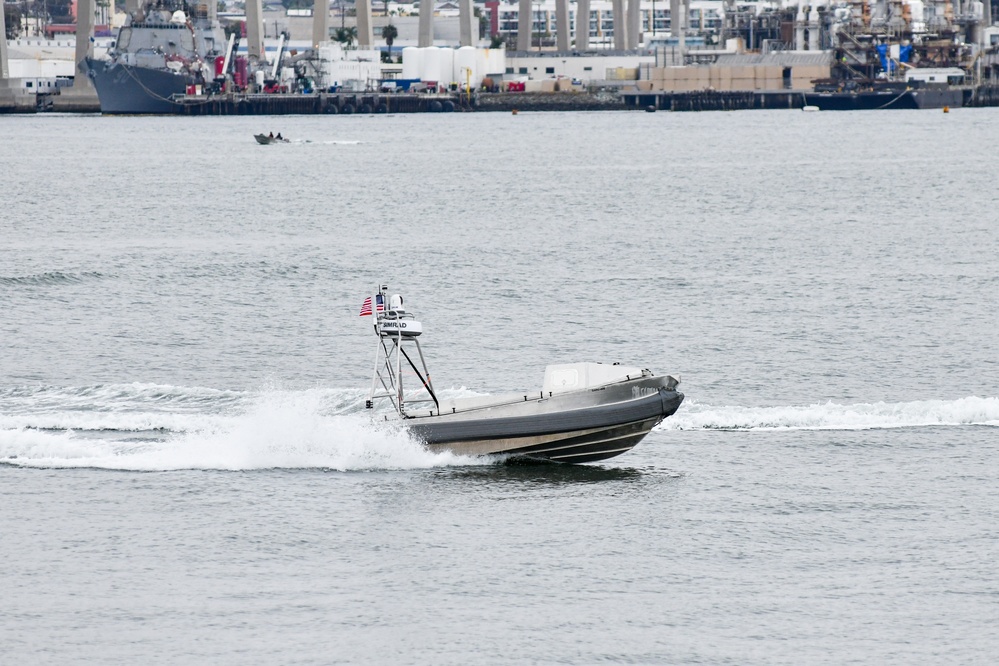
[982,96]
[379,103]
[713,100]
[541,101]
[318,104]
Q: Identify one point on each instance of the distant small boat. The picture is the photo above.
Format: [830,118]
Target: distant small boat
[264,139]
[810,107]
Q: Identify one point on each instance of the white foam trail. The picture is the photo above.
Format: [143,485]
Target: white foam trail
[152,427]
[123,422]
[142,407]
[832,416]
[280,430]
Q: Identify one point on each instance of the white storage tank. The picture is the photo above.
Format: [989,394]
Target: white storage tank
[497,61]
[447,66]
[466,67]
[430,65]
[917,12]
[482,62]
[412,62]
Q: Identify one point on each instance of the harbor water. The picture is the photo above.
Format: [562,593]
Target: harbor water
[188,473]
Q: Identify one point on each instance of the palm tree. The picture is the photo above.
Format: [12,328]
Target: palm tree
[345,36]
[389,33]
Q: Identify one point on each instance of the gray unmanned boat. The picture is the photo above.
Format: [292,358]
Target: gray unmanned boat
[583,412]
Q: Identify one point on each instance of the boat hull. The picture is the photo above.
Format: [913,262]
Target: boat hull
[580,446]
[266,140]
[921,98]
[127,89]
[561,431]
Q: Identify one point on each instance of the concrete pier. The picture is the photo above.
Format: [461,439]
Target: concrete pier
[365,34]
[562,27]
[525,26]
[320,22]
[12,97]
[634,23]
[620,25]
[84,42]
[468,30]
[81,96]
[582,25]
[4,67]
[674,12]
[255,32]
[426,27]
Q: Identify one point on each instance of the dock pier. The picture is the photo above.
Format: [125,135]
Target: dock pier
[713,100]
[235,104]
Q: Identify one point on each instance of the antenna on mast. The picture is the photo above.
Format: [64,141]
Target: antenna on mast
[398,330]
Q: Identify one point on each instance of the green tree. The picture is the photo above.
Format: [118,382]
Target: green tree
[483,22]
[345,36]
[13,20]
[61,11]
[497,41]
[389,33]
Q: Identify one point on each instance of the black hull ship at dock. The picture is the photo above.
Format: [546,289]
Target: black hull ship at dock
[910,94]
[872,100]
[584,412]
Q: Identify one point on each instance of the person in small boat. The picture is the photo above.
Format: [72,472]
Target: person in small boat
[271,135]
[279,137]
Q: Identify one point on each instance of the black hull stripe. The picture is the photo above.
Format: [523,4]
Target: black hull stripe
[588,448]
[591,452]
[608,436]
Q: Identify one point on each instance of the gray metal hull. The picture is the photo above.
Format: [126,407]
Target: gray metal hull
[126,89]
[577,427]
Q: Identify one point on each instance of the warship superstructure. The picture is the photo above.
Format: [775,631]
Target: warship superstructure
[165,48]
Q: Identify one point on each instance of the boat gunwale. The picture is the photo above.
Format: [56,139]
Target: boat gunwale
[660,405]
[507,399]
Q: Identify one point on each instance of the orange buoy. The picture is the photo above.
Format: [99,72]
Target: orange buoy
[946,109]
[515,112]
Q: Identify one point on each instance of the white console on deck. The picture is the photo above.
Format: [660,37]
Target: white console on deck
[575,376]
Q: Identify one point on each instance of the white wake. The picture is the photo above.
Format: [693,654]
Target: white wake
[275,429]
[970,411]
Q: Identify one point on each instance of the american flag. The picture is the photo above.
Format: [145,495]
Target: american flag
[366,306]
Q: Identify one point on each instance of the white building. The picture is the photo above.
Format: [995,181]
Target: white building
[704,16]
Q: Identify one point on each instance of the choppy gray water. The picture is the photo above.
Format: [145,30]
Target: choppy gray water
[187,476]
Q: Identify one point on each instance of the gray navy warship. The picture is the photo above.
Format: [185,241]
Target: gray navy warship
[165,47]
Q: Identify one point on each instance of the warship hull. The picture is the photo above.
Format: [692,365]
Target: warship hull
[129,89]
